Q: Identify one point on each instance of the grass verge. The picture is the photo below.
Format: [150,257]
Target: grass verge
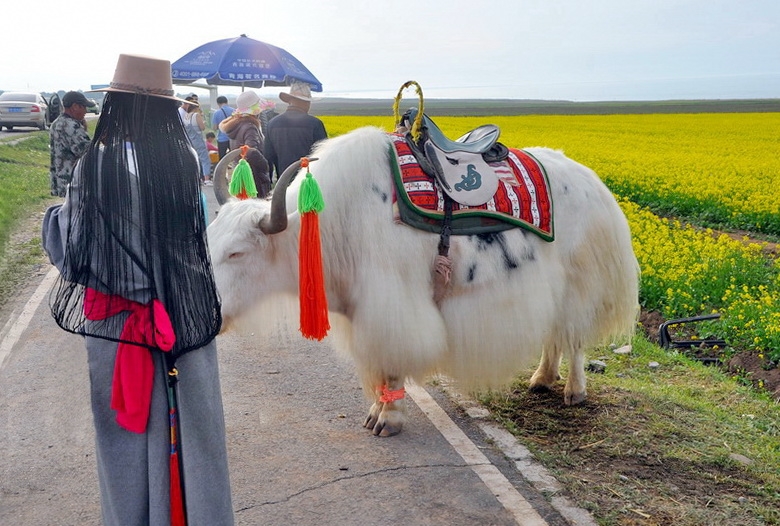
[24,195]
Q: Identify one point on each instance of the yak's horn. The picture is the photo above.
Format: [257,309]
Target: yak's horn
[277,221]
[220,176]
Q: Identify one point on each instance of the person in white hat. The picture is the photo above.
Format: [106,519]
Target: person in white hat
[243,128]
[292,134]
[136,282]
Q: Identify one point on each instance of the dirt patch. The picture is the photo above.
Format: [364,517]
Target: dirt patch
[769,248]
[651,322]
[756,369]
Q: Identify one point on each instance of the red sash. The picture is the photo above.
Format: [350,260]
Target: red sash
[131,390]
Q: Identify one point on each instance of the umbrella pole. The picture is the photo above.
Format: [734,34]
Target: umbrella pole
[178,506]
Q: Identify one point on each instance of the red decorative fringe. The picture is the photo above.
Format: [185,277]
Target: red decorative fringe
[177,503]
[314,304]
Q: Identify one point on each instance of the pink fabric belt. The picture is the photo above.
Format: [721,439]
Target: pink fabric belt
[131,389]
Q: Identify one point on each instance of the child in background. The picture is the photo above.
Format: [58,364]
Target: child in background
[211,145]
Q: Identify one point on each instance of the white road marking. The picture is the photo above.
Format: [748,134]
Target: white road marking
[19,325]
[505,492]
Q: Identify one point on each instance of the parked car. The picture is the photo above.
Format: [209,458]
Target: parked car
[94,109]
[24,109]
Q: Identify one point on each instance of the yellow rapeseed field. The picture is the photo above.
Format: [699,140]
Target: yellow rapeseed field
[719,170]
[700,169]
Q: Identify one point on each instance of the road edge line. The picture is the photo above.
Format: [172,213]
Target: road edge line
[21,323]
[523,512]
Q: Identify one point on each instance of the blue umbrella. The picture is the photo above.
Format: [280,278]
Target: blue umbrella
[241,61]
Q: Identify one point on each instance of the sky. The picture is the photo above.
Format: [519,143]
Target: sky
[578,50]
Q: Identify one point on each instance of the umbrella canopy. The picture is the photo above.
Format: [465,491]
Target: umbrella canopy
[241,61]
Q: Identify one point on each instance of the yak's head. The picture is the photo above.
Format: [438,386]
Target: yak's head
[243,253]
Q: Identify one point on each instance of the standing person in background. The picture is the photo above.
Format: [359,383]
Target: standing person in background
[292,134]
[68,140]
[266,114]
[136,282]
[224,111]
[243,128]
[194,126]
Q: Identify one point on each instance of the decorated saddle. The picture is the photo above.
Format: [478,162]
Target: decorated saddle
[474,184]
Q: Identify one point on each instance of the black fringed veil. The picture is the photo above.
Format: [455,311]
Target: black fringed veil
[133,226]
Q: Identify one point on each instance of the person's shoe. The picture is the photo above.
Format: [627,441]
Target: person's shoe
[208,183]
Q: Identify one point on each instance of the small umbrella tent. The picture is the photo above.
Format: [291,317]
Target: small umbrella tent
[241,61]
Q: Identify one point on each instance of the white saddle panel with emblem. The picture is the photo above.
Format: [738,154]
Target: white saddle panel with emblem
[464,176]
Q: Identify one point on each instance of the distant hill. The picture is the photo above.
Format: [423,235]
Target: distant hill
[477,107]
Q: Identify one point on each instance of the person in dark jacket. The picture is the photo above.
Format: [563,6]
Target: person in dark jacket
[292,134]
[243,128]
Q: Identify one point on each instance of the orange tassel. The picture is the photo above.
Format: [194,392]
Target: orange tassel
[313,302]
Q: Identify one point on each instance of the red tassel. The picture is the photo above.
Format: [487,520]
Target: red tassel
[177,503]
[313,302]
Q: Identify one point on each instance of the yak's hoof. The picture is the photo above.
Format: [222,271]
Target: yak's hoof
[386,429]
[373,416]
[381,427]
[369,422]
[539,388]
[383,421]
[574,398]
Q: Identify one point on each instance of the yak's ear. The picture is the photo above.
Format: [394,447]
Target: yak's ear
[258,218]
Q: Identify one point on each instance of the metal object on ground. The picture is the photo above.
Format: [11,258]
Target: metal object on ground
[666,341]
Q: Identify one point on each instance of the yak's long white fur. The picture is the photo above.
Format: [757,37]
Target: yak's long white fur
[560,297]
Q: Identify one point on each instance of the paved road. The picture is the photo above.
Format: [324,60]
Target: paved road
[298,454]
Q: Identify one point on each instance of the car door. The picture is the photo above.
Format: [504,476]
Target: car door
[55,107]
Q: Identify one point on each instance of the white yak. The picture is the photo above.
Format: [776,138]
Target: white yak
[512,296]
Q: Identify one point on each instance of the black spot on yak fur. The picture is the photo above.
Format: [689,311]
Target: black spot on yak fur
[382,195]
[498,240]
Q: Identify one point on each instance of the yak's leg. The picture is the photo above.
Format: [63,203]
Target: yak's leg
[574,392]
[388,413]
[547,373]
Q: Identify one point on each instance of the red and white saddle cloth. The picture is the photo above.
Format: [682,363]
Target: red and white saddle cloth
[522,198]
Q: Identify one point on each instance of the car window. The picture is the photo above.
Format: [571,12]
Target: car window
[19,97]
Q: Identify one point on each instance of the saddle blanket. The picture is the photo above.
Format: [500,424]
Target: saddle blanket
[522,199]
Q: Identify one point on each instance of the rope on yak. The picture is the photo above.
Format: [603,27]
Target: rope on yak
[417,124]
[242,183]
[389,396]
[313,302]
[442,265]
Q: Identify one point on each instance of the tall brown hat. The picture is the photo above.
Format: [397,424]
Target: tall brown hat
[144,76]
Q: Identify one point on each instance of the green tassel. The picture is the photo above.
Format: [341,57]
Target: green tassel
[310,196]
[242,184]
